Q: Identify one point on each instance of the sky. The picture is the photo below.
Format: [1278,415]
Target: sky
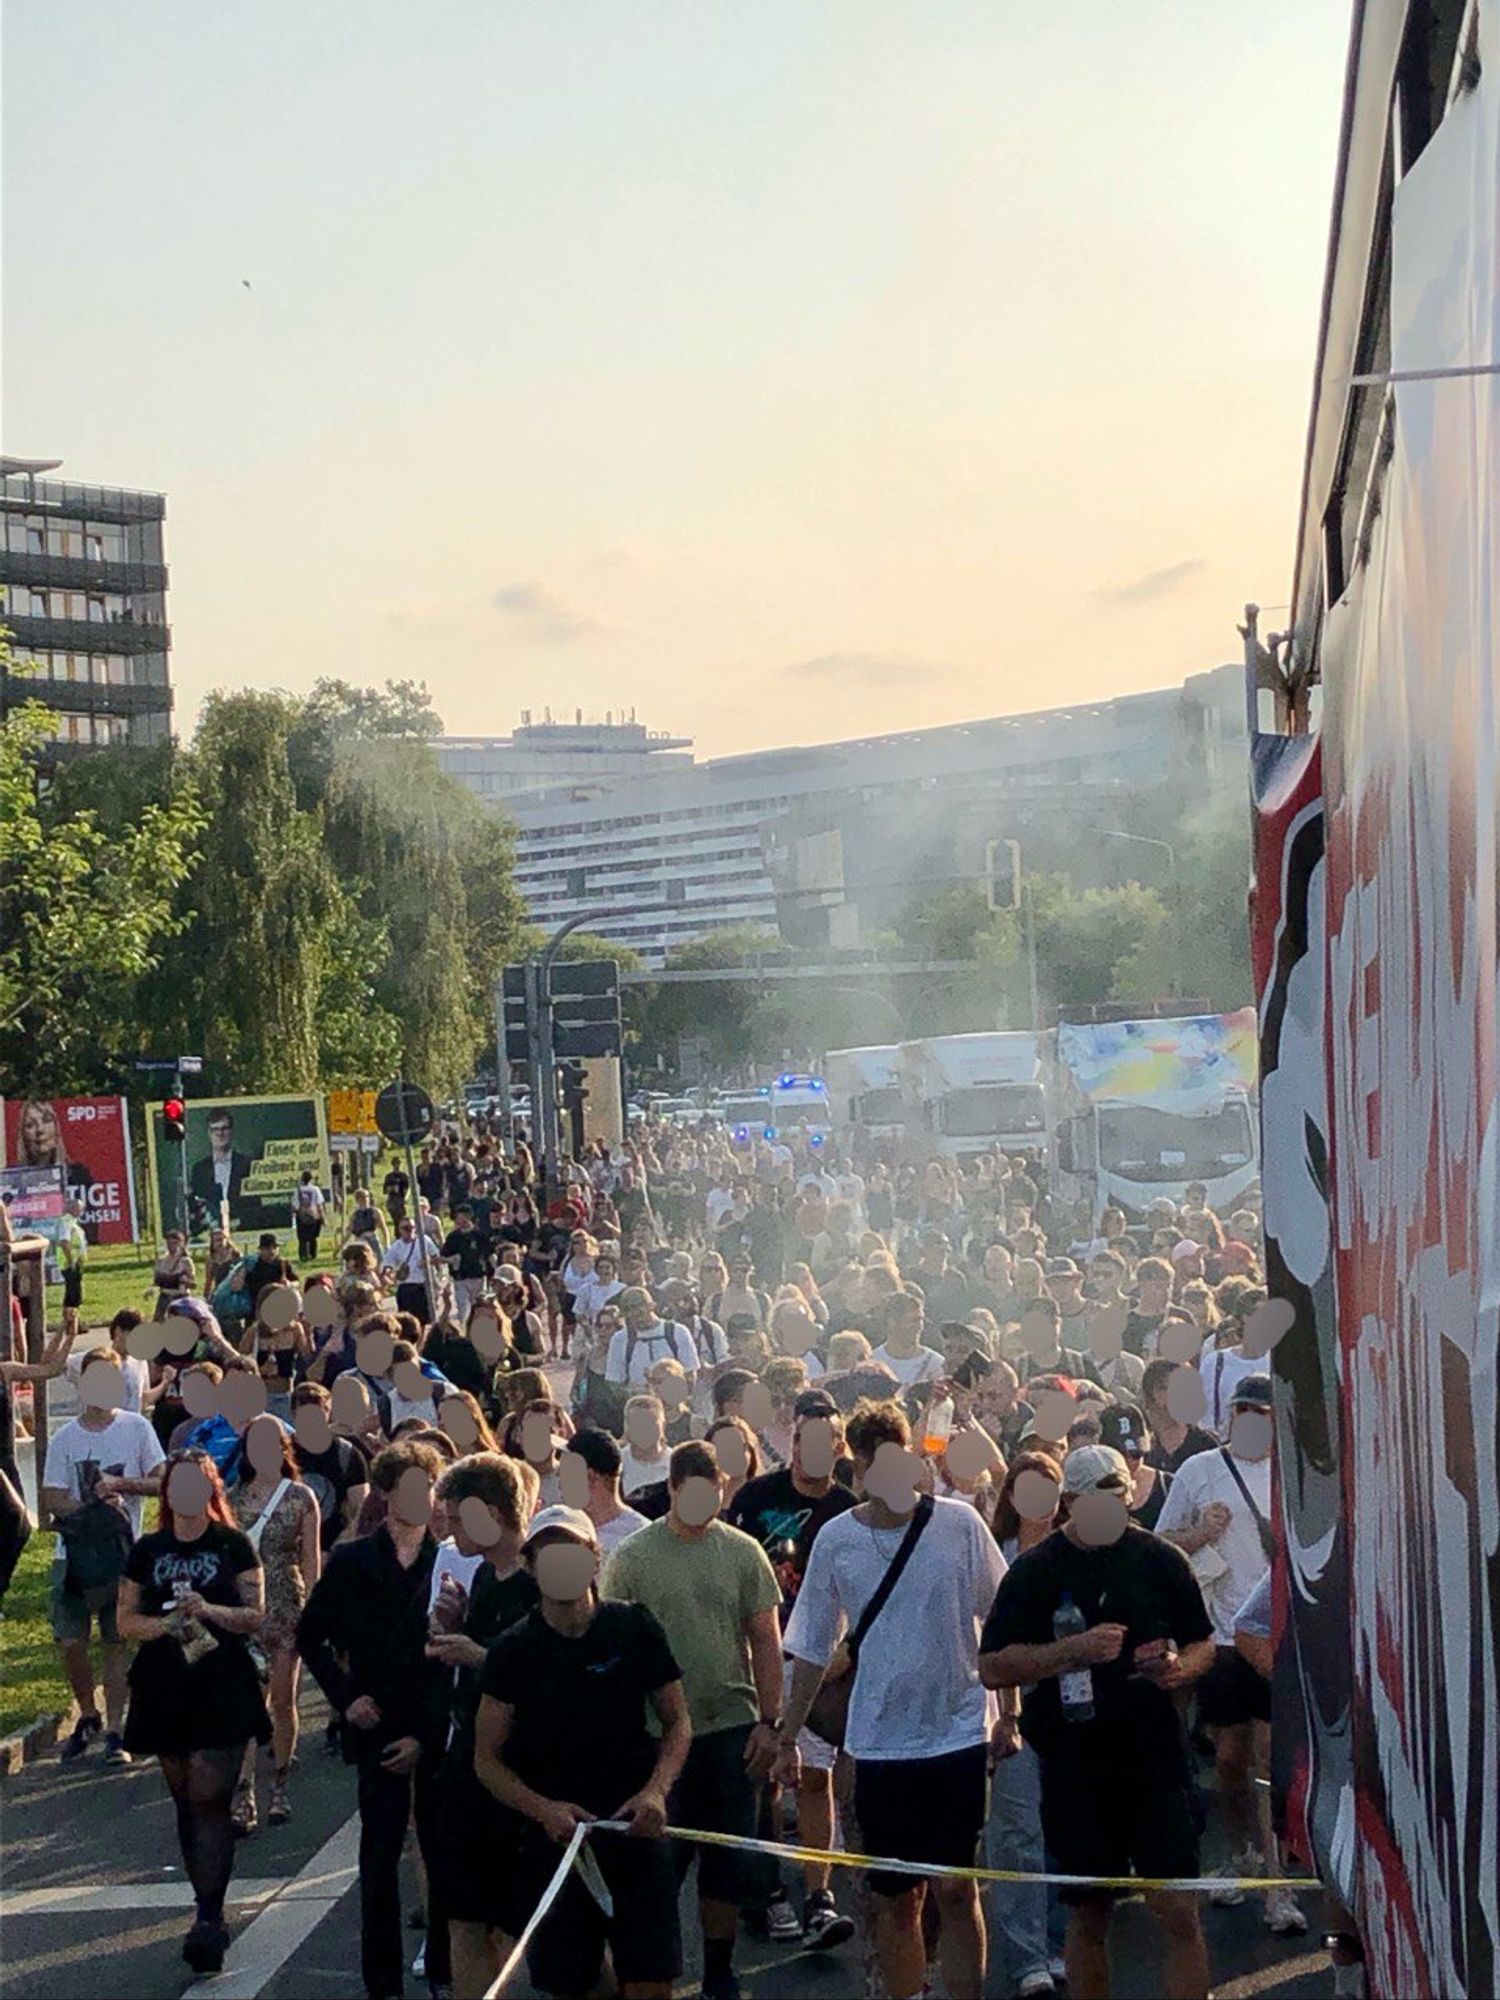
[781,372]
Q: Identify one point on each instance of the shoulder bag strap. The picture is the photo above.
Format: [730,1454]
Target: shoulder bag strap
[1263,1526]
[262,1520]
[892,1577]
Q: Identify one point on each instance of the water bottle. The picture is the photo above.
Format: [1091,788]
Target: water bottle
[1076,1688]
[938,1426]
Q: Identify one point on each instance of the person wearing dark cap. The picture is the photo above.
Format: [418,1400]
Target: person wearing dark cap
[783,1511]
[1099,1708]
[602,1459]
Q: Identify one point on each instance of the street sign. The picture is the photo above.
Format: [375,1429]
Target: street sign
[404,1113]
[585,1009]
[352,1112]
[575,1040]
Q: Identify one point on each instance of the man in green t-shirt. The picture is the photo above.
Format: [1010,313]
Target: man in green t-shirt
[715,1595]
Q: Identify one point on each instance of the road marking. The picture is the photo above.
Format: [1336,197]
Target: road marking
[69,1899]
[287,1921]
[1248,1984]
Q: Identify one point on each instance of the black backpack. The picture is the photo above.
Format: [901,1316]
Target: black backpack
[97,1539]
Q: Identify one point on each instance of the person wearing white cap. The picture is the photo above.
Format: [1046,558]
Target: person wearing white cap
[1100,1625]
[562,1737]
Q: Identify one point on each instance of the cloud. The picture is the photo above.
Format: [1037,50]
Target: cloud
[542,617]
[869,670]
[1155,583]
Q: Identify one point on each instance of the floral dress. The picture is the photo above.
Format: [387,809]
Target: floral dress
[280,1557]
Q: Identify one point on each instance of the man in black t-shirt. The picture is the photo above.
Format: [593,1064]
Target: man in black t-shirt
[337,1473]
[784,1511]
[467,1256]
[396,1187]
[561,1736]
[1097,1708]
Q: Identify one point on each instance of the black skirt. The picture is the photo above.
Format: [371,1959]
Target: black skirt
[175,1708]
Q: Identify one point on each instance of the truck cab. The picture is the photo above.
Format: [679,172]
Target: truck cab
[973,1093]
[864,1090]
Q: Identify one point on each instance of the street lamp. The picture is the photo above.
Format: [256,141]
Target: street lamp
[1166,847]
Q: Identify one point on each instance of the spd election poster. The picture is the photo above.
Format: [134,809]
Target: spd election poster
[89,1139]
[246,1154]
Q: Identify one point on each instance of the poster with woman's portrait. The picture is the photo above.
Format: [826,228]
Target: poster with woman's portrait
[89,1138]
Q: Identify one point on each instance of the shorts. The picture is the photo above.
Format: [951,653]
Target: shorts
[1232,1692]
[73,1613]
[1140,1818]
[476,1862]
[928,1809]
[716,1794]
[816,1754]
[567,1953]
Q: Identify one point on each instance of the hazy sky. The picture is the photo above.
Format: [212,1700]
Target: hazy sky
[786,369]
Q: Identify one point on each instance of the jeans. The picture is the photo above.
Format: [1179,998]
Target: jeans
[1025,1917]
[467,1293]
[385,1804]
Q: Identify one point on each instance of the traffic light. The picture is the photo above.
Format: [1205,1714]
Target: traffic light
[173,1120]
[575,1084]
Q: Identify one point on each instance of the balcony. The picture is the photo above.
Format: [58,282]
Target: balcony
[20,495]
[89,635]
[79,572]
[84,697]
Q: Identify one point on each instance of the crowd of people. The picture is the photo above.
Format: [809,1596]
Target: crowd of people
[780,1491]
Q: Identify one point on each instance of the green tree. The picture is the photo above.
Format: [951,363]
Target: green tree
[83,909]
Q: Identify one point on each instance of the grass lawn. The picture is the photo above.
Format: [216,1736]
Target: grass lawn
[113,1277]
[31,1676]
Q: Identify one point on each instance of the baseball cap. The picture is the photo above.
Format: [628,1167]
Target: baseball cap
[1090,1466]
[1252,1392]
[1186,1248]
[1123,1429]
[814,1403]
[570,1521]
[598,1451]
[509,1274]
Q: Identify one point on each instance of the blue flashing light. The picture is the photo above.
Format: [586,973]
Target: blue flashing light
[787,1082]
[815,1140]
[769,1132]
[742,1134]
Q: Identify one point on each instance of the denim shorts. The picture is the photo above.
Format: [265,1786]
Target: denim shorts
[73,1613]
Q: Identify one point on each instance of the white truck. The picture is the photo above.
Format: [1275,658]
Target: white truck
[968,1093]
[864,1090]
[1143,1109]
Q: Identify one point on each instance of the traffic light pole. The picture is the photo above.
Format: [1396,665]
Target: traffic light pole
[182,1168]
[544,1098]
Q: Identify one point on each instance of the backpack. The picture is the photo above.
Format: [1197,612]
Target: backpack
[97,1539]
[632,1341]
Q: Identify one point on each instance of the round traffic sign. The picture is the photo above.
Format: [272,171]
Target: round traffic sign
[403,1112]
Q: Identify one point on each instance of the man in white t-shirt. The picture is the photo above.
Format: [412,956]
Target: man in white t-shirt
[903,1353]
[1220,1501]
[106,1453]
[613,1521]
[919,1718]
[138,1396]
[645,1339]
[1223,1370]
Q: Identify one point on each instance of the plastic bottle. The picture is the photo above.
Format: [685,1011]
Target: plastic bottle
[938,1427]
[1075,1688]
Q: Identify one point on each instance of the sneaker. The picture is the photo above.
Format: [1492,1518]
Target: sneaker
[825,1929]
[279,1811]
[114,1749]
[1037,1985]
[1283,1914]
[782,1925]
[1229,1896]
[85,1729]
[242,1813]
[204,1947]
[419,1963]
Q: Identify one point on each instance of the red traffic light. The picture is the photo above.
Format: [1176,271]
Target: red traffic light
[174,1108]
[174,1119]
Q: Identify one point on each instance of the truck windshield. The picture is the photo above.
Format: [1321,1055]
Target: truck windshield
[994,1110]
[880,1107]
[745,1111]
[814,1113]
[1141,1143]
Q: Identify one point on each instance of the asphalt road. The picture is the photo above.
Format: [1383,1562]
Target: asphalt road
[95,1906]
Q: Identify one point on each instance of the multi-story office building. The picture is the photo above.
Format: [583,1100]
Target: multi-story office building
[539,755]
[83,590]
[687,848]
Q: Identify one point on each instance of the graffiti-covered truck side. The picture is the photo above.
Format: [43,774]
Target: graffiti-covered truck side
[1144,1109]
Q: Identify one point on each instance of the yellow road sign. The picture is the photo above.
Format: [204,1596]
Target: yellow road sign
[352,1112]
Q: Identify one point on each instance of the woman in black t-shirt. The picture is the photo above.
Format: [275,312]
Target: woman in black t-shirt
[192,1595]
